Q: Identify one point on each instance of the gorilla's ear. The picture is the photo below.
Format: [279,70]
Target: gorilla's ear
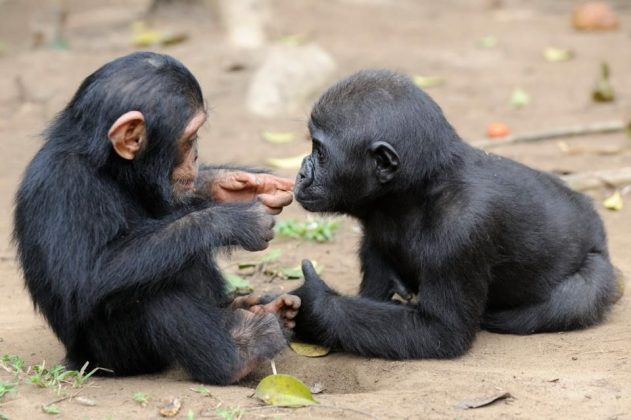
[387,160]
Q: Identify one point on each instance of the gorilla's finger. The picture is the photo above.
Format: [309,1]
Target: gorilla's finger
[309,271]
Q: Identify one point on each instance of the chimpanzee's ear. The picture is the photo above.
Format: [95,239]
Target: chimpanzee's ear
[127,134]
[387,160]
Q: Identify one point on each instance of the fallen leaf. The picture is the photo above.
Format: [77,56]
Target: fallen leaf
[488,41]
[603,91]
[553,54]
[496,130]
[85,401]
[284,391]
[171,408]
[295,272]
[309,350]
[50,409]
[519,98]
[237,284]
[482,402]
[594,16]
[143,36]
[278,137]
[173,38]
[614,202]
[292,39]
[271,256]
[287,163]
[425,82]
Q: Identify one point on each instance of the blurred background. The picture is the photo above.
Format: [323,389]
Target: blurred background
[520,78]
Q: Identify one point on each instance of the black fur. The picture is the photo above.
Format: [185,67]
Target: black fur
[123,270]
[482,240]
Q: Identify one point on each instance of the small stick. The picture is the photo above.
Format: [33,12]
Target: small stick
[273,367]
[578,130]
[67,397]
[596,179]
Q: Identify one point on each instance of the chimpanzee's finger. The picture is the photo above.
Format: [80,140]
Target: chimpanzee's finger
[291,301]
[290,314]
[278,199]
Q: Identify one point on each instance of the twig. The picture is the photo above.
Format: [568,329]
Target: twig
[67,397]
[578,130]
[596,179]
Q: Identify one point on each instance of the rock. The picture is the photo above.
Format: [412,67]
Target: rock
[289,77]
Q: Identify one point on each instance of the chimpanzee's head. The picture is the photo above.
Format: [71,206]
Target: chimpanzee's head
[137,118]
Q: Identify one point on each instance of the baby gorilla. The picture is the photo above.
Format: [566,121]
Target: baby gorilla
[481,240]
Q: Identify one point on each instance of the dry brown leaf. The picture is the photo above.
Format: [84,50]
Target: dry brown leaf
[484,401]
[171,408]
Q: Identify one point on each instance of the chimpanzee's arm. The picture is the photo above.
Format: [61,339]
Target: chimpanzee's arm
[442,325]
[153,252]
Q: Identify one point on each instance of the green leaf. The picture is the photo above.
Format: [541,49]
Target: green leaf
[488,41]
[292,39]
[277,137]
[236,283]
[295,273]
[6,388]
[50,409]
[284,391]
[292,273]
[271,256]
[519,98]
[4,417]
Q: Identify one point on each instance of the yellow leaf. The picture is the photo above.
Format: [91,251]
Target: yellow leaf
[287,163]
[557,54]
[278,137]
[428,81]
[614,202]
[284,391]
[143,36]
[309,350]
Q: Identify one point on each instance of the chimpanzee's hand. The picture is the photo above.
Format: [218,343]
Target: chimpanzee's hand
[234,186]
[256,228]
[284,306]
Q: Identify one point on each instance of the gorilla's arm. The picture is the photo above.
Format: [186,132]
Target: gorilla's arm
[379,280]
[442,325]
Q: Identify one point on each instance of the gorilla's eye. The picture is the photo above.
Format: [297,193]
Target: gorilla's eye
[320,155]
[318,152]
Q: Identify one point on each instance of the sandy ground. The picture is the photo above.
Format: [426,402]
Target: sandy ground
[584,374]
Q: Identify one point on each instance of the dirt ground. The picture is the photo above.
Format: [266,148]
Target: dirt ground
[583,374]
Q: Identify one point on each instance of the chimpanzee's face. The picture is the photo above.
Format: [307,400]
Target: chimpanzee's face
[186,164]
